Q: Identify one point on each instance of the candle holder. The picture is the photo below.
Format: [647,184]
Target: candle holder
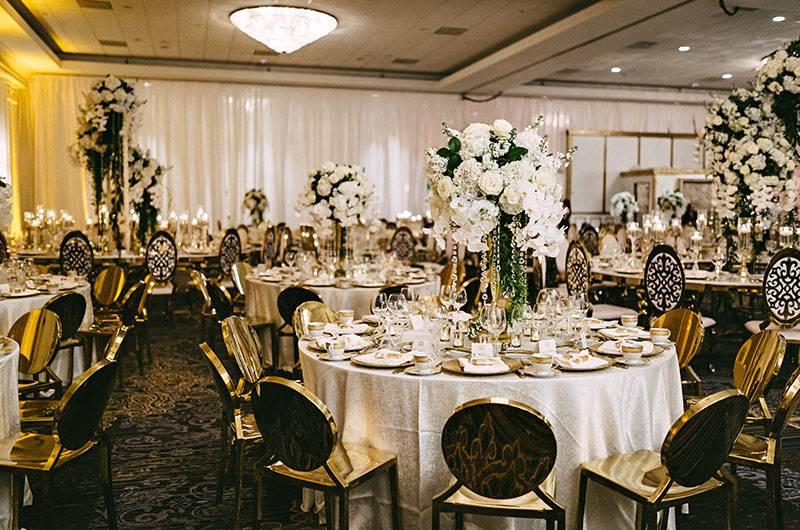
[745,245]
[785,236]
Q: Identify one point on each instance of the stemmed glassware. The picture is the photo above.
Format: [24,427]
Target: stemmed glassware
[718,259]
[494,320]
[459,299]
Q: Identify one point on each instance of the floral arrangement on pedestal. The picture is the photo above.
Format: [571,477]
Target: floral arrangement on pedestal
[624,207]
[493,189]
[336,196]
[145,192]
[672,202]
[105,127]
[778,80]
[255,203]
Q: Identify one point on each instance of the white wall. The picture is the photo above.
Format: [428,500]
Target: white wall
[223,139]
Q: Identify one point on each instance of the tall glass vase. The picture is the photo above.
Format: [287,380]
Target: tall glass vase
[339,248]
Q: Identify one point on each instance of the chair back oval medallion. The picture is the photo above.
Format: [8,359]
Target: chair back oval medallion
[664,279]
[782,287]
[230,251]
[76,254]
[161,257]
[577,268]
[403,243]
[268,247]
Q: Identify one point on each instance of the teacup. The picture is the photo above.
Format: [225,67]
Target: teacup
[659,335]
[423,362]
[629,321]
[335,349]
[315,329]
[631,351]
[345,316]
[542,363]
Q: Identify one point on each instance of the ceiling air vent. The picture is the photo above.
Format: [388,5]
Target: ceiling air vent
[95,4]
[449,30]
[401,60]
[642,45]
[119,43]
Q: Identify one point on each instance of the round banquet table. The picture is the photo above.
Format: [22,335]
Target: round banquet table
[13,308]
[9,422]
[261,302]
[593,414]
[725,281]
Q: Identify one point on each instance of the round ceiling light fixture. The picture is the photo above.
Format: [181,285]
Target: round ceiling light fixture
[283,29]
[616,69]
[779,18]
[727,76]
[684,48]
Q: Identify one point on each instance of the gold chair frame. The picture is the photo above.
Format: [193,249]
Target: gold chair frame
[326,464]
[310,312]
[687,333]
[107,288]
[684,462]
[38,333]
[527,482]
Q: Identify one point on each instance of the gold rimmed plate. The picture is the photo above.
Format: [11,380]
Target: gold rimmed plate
[360,360]
[564,368]
[595,348]
[453,366]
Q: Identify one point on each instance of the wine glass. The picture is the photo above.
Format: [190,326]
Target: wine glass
[459,299]
[718,259]
[494,320]
[446,295]
[379,304]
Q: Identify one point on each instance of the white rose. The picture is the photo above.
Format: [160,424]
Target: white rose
[502,129]
[511,200]
[775,87]
[108,95]
[476,138]
[744,170]
[743,120]
[491,183]
[328,167]
[324,187]
[444,188]
[529,140]
[717,120]
[790,165]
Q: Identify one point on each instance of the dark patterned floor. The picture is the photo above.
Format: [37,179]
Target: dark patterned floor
[165,427]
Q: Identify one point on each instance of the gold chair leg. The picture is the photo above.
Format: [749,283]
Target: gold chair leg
[223,458]
[139,353]
[581,500]
[17,494]
[460,521]
[562,524]
[108,484]
[344,510]
[47,500]
[146,333]
[237,498]
[551,524]
[394,491]
[330,519]
[775,497]
[435,513]
[258,494]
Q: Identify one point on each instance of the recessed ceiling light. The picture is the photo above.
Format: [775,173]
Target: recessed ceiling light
[684,48]
[727,76]
[779,18]
[616,69]
[283,29]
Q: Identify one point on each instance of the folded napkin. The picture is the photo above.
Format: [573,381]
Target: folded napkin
[615,348]
[497,367]
[337,329]
[351,342]
[596,323]
[582,361]
[372,319]
[386,357]
[459,316]
[624,333]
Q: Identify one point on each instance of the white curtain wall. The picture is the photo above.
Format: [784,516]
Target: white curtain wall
[224,139]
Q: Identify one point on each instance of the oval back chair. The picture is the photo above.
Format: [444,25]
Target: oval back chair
[664,279]
[244,346]
[108,285]
[220,301]
[403,243]
[239,272]
[38,333]
[230,251]
[782,288]
[686,331]
[589,237]
[269,247]
[70,308]
[161,256]
[79,418]
[76,255]
[758,361]
[3,248]
[311,312]
[290,299]
[577,269]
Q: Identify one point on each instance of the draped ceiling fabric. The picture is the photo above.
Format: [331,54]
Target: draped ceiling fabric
[224,139]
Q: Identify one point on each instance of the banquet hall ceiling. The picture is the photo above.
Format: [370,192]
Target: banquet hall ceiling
[460,46]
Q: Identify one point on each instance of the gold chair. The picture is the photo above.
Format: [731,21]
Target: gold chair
[757,363]
[239,272]
[687,332]
[688,467]
[238,429]
[107,289]
[38,334]
[501,454]
[70,308]
[303,446]
[77,431]
[764,452]
[310,312]
[39,412]
[244,345]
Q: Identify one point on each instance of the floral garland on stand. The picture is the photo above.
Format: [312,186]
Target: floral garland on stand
[146,192]
[105,127]
[624,206]
[256,203]
[778,79]
[336,197]
[673,202]
[493,189]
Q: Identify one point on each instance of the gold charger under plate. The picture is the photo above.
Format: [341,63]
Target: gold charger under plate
[312,345]
[564,368]
[453,366]
[355,360]
[595,348]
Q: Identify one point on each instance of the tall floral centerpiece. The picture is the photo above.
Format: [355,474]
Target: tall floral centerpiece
[493,189]
[337,197]
[255,203]
[624,206]
[105,127]
[672,202]
[145,192]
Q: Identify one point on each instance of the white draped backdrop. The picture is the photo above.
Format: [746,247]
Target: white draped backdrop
[224,139]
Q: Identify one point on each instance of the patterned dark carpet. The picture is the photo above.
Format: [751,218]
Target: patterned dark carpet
[166,429]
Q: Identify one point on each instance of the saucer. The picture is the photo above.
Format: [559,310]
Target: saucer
[544,375]
[412,370]
[637,362]
[327,357]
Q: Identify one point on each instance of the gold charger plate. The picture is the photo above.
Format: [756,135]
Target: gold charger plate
[453,366]
[312,345]
[355,360]
[595,348]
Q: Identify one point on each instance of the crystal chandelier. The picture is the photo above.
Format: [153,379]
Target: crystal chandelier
[283,29]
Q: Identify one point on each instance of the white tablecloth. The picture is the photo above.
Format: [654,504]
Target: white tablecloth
[13,308]
[261,301]
[593,415]
[9,425]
